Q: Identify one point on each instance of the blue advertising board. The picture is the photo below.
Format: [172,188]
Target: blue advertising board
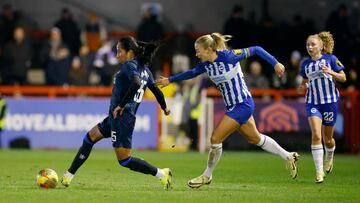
[62,123]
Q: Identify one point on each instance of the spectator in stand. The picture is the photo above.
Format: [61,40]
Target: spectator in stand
[291,78]
[86,60]
[77,74]
[256,79]
[235,26]
[17,59]
[56,59]
[150,29]
[70,31]
[8,21]
[338,25]
[105,63]
[353,82]
[94,34]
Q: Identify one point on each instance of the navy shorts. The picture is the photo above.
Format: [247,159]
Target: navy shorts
[241,112]
[120,129]
[326,112]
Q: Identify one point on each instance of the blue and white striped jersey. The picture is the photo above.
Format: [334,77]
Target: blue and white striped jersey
[322,89]
[226,73]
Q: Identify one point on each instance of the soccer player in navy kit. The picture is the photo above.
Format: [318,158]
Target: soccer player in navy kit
[223,68]
[130,84]
[319,74]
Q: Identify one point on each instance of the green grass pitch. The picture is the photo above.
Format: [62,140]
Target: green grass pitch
[239,177]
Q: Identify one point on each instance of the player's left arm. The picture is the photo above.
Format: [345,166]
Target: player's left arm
[336,70]
[159,97]
[257,50]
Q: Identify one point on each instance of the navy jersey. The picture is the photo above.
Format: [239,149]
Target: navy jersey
[226,73]
[322,89]
[122,82]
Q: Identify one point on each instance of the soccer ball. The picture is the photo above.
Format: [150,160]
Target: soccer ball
[47,178]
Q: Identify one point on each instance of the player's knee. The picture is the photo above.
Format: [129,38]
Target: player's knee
[95,134]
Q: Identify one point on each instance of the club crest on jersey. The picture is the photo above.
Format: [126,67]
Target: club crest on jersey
[237,51]
[221,67]
[313,110]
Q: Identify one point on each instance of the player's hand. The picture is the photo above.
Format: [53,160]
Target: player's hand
[167,111]
[118,111]
[162,82]
[279,69]
[327,70]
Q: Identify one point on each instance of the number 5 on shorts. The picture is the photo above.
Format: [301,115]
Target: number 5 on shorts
[113,136]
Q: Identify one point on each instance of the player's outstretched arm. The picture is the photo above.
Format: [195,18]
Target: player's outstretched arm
[162,81]
[197,70]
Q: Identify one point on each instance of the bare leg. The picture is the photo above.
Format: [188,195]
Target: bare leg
[250,132]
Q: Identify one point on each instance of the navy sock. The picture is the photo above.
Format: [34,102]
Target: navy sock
[82,154]
[138,165]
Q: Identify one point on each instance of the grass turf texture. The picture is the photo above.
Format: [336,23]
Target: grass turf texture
[239,177]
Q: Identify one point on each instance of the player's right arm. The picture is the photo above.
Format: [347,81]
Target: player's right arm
[305,81]
[163,81]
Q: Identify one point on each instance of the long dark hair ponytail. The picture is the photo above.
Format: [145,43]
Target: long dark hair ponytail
[144,51]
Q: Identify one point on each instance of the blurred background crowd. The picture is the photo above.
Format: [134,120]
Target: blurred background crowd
[82,53]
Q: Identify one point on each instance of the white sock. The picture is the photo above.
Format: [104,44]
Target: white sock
[160,173]
[69,175]
[213,158]
[270,145]
[318,154]
[329,153]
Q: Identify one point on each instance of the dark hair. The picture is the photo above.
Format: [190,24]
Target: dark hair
[144,51]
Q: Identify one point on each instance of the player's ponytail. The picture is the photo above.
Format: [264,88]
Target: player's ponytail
[328,42]
[215,41]
[220,40]
[144,52]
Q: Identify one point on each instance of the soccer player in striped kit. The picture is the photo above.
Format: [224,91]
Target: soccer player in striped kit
[319,74]
[223,67]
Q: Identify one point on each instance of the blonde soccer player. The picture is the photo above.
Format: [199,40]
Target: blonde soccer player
[223,68]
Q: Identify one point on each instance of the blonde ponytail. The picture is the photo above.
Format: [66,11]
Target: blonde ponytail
[328,42]
[215,41]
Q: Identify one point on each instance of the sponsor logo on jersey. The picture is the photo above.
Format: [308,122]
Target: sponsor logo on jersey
[339,63]
[237,51]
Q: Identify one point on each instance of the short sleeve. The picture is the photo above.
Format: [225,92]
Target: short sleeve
[302,70]
[130,70]
[241,54]
[336,65]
